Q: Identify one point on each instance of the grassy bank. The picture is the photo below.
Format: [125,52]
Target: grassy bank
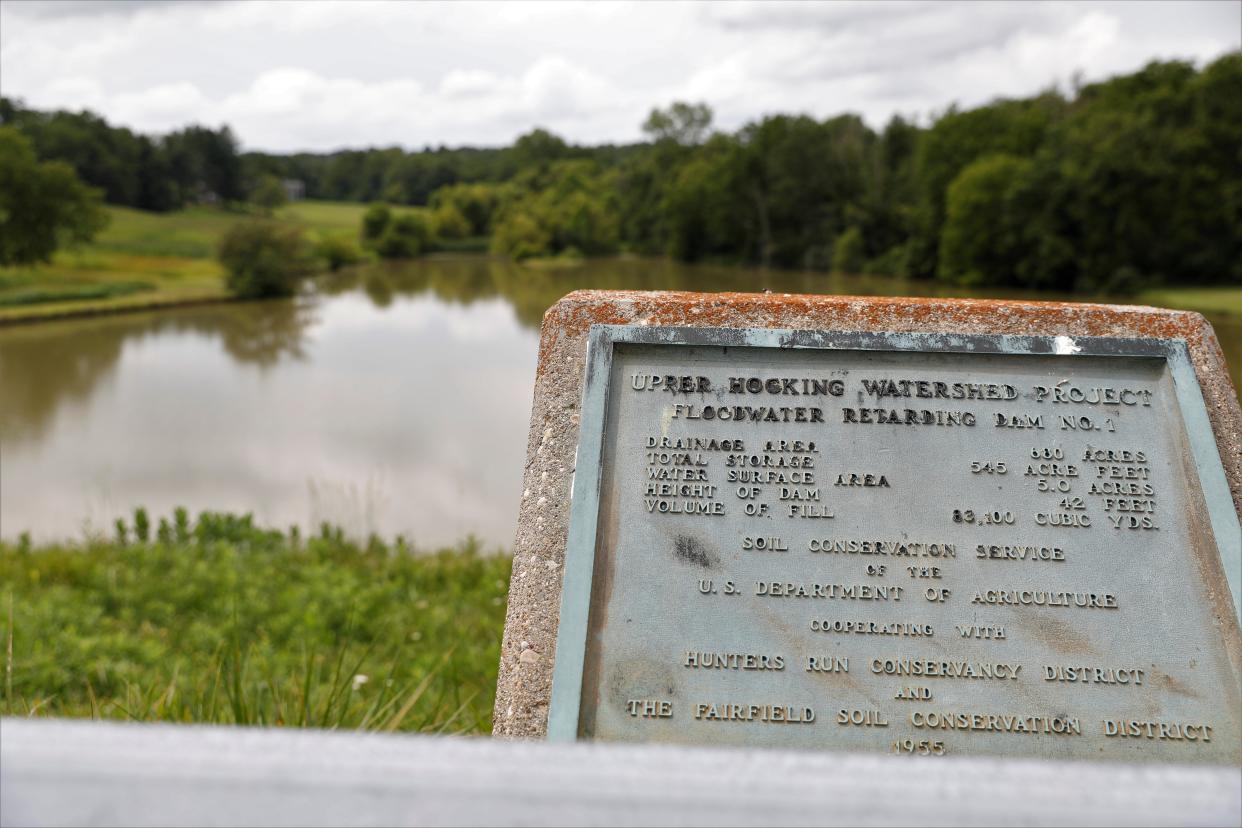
[217,621]
[1214,300]
[144,260]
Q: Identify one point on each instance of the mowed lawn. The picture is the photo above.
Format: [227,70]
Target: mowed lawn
[149,259]
[216,621]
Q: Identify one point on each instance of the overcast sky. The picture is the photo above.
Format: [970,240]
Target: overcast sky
[324,75]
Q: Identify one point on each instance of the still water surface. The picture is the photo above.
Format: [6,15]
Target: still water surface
[395,400]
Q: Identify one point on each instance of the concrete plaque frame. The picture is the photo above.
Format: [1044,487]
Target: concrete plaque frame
[549,552]
[564,722]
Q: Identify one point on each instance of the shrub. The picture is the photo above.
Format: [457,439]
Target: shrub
[338,251]
[450,223]
[263,259]
[374,222]
[268,194]
[520,236]
[408,235]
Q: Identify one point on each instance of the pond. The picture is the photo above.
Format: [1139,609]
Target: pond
[394,400]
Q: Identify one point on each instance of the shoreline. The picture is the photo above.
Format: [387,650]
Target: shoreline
[61,314]
[1152,297]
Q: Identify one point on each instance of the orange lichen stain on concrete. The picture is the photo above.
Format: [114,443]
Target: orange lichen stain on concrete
[573,316]
[575,313]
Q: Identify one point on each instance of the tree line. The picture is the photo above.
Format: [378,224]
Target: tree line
[1117,185]
[156,173]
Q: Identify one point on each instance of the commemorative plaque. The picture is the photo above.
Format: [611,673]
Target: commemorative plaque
[912,543]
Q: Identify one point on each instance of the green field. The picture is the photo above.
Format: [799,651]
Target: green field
[149,259]
[325,215]
[217,621]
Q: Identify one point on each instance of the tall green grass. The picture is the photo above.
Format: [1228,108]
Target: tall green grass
[219,621]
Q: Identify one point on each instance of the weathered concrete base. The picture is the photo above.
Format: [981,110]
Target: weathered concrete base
[95,773]
[525,681]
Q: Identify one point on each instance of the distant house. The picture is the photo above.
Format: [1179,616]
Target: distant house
[295,189]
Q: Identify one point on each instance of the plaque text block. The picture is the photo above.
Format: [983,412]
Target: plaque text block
[915,545]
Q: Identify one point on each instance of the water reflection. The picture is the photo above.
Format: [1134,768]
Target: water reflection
[396,400]
[49,365]
[531,290]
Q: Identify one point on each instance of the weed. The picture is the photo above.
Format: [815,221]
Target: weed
[219,620]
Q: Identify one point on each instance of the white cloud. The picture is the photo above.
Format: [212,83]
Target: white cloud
[163,107]
[555,88]
[322,75]
[468,83]
[74,92]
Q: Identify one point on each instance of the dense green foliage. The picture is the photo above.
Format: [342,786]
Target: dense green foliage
[396,235]
[1137,181]
[1125,184]
[216,620]
[558,208]
[191,165]
[43,205]
[984,227]
[475,203]
[264,259]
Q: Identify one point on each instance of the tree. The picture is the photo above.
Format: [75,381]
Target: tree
[539,147]
[520,237]
[264,259]
[206,164]
[800,179]
[268,194]
[982,240]
[884,212]
[957,139]
[704,207]
[569,208]
[477,203]
[682,123]
[42,205]
[1145,180]
[135,170]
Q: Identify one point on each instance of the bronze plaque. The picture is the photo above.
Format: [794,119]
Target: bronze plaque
[917,545]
